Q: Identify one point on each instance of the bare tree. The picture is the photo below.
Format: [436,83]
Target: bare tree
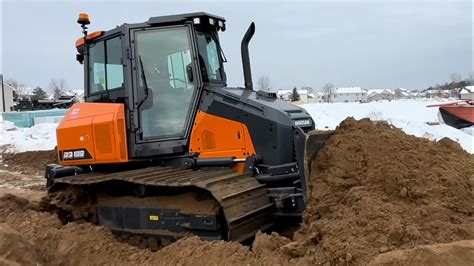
[471,78]
[57,87]
[455,77]
[328,89]
[263,83]
[308,88]
[20,88]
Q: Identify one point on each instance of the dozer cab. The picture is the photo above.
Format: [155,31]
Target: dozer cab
[163,148]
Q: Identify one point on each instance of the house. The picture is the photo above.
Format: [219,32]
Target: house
[24,93]
[303,95]
[380,94]
[286,95]
[77,95]
[6,98]
[316,97]
[418,94]
[431,93]
[467,93]
[349,94]
[401,93]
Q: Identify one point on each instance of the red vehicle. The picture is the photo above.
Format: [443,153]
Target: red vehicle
[457,114]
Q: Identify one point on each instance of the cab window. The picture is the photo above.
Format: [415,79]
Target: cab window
[209,57]
[177,63]
[105,65]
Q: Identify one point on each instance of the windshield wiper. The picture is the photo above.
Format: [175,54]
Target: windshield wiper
[145,86]
[221,52]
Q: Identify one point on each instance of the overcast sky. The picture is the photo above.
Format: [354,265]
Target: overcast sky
[372,44]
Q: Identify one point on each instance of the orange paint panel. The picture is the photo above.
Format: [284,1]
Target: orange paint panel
[91,36]
[95,128]
[213,136]
[80,130]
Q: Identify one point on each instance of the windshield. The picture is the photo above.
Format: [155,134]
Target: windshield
[210,57]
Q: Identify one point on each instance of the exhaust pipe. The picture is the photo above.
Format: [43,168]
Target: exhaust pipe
[245,56]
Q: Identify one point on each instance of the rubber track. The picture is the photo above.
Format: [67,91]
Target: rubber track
[244,201]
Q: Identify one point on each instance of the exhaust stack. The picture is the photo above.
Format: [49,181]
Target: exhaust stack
[245,56]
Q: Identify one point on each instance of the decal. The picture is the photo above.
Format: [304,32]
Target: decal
[79,154]
[154,218]
[302,122]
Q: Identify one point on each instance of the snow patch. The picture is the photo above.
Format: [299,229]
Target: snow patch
[38,137]
[411,116]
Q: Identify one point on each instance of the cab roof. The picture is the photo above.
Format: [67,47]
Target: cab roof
[181,18]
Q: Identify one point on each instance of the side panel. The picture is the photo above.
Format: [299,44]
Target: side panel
[92,133]
[213,136]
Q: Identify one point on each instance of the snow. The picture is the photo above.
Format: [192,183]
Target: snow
[74,93]
[467,90]
[38,137]
[409,115]
[349,90]
[283,92]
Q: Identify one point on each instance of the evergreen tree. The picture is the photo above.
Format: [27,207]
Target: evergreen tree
[295,95]
[39,94]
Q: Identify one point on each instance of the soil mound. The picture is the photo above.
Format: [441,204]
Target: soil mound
[9,202]
[193,251]
[30,162]
[456,253]
[376,189]
[14,248]
[52,243]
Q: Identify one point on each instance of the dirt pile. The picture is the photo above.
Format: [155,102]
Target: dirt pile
[49,242]
[455,253]
[376,189]
[14,248]
[30,162]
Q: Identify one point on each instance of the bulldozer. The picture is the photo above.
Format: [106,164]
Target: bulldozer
[162,148]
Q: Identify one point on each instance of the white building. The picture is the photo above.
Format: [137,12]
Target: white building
[350,94]
[402,93]
[6,96]
[303,95]
[381,94]
[286,95]
[316,97]
[78,95]
[418,94]
[467,93]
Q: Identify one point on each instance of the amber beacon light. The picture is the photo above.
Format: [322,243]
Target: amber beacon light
[83,19]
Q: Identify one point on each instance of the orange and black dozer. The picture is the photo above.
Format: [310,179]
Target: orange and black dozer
[164,148]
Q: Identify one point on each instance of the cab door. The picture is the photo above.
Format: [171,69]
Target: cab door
[164,60]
